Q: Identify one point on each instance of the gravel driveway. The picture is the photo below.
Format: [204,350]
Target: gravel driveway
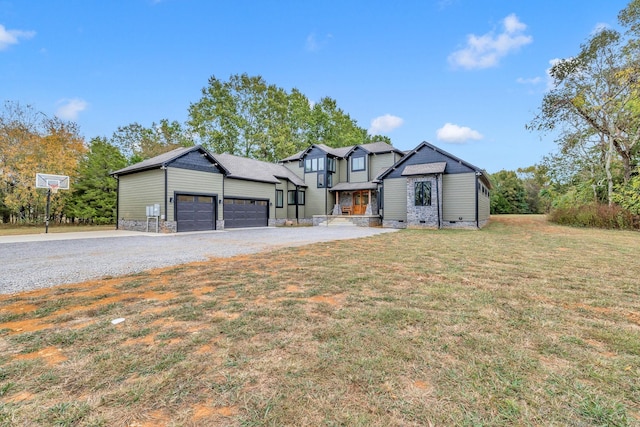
[43,263]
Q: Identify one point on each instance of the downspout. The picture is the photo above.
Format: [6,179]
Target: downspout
[166,202]
[296,199]
[438,200]
[117,202]
[476,190]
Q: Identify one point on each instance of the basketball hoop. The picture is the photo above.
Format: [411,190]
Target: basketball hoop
[52,183]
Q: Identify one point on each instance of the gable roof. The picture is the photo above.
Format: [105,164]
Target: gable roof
[379,147]
[256,170]
[480,172]
[164,159]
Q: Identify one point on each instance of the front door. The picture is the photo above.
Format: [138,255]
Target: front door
[360,202]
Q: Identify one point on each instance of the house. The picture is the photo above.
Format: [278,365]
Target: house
[368,184]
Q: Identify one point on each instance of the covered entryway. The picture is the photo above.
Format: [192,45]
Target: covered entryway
[239,213]
[195,212]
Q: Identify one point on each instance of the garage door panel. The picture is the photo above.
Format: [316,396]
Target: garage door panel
[195,213]
[246,213]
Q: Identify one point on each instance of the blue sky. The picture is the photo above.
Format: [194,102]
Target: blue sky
[465,75]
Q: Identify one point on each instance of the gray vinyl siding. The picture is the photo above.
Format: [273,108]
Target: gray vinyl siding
[341,167]
[295,168]
[484,206]
[137,191]
[395,199]
[314,196]
[381,161]
[459,197]
[243,189]
[191,181]
[360,176]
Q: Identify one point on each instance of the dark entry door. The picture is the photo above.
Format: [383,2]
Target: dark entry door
[195,213]
[240,213]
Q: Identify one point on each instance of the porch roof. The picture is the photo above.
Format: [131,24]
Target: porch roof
[424,169]
[354,186]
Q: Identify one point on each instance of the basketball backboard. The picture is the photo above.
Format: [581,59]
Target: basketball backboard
[52,182]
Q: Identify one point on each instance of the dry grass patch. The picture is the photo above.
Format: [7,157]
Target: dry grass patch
[522,323]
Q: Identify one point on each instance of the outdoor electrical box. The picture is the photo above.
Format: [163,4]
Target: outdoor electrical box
[153,210]
[153,213]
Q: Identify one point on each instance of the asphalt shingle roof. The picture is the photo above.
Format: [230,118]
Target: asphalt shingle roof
[256,170]
[424,169]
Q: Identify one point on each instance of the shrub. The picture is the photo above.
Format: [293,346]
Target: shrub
[595,215]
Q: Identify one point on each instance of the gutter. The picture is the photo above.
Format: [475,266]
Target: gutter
[476,191]
[438,200]
[117,201]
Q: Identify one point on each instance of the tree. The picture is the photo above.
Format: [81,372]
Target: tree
[508,195]
[93,197]
[248,117]
[138,143]
[31,142]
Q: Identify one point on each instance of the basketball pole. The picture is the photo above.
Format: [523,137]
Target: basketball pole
[46,219]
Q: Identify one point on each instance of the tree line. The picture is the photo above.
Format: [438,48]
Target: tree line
[243,115]
[594,109]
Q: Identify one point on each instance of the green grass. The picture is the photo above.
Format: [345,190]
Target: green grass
[521,323]
[13,230]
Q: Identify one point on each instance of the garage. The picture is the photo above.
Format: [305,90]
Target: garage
[195,212]
[240,213]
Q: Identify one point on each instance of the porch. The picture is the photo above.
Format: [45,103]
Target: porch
[355,199]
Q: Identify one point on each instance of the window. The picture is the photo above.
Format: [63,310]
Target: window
[357,164]
[320,180]
[291,197]
[329,180]
[423,193]
[279,198]
[331,164]
[314,165]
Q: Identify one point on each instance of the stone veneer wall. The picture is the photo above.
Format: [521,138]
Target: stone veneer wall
[394,224]
[163,227]
[423,216]
[141,225]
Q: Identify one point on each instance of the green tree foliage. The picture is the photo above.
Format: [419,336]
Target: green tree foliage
[628,195]
[138,143]
[93,196]
[248,117]
[508,195]
[595,106]
[536,183]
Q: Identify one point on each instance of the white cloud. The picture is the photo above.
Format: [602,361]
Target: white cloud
[457,134]
[9,37]
[384,124]
[528,81]
[70,108]
[486,51]
[314,44]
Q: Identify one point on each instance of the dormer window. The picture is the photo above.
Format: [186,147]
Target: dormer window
[357,163]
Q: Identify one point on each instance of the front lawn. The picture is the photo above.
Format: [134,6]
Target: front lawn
[522,323]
